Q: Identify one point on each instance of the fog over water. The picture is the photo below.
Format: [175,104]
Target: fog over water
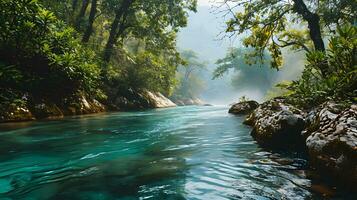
[204,35]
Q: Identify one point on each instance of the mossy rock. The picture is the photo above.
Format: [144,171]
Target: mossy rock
[243,108]
[15,114]
[46,111]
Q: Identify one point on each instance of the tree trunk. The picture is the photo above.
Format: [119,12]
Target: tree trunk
[313,21]
[119,22]
[315,33]
[81,14]
[89,29]
[74,5]
[112,38]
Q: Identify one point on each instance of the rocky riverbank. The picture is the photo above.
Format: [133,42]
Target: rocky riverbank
[327,133]
[136,100]
[188,101]
[33,109]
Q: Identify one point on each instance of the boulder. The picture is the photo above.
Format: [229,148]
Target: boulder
[158,100]
[320,116]
[46,110]
[332,147]
[39,108]
[135,100]
[277,125]
[245,107]
[179,103]
[188,101]
[16,114]
[83,105]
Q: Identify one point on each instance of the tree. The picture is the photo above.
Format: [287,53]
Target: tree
[118,27]
[41,53]
[192,64]
[136,38]
[340,84]
[190,84]
[268,23]
[153,20]
[92,15]
[82,13]
[250,76]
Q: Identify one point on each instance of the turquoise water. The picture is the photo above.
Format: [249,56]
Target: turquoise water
[176,153]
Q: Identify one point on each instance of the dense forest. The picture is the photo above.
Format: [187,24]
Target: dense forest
[61,51]
[330,71]
[297,139]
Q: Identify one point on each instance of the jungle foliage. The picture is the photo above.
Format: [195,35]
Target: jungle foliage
[297,24]
[55,49]
[190,84]
[246,75]
[340,84]
[40,55]
[330,72]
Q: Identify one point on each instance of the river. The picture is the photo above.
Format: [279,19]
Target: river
[198,153]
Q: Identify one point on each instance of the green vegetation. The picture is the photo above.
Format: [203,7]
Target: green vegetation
[247,75]
[41,56]
[56,50]
[61,50]
[271,25]
[330,72]
[190,84]
[341,82]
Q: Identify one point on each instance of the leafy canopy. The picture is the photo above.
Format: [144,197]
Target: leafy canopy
[246,75]
[341,84]
[41,54]
[190,84]
[269,24]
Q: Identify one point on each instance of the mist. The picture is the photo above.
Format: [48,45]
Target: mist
[205,35]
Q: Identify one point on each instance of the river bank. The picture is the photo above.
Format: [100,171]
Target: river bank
[326,133]
[32,108]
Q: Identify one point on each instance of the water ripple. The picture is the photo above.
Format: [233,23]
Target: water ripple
[193,153]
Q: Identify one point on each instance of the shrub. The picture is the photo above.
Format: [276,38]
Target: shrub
[142,71]
[43,51]
[340,83]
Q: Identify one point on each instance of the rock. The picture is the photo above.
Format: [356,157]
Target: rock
[97,106]
[81,105]
[89,106]
[321,116]
[158,100]
[134,100]
[46,110]
[179,103]
[332,147]
[188,102]
[245,107]
[38,108]
[15,114]
[277,125]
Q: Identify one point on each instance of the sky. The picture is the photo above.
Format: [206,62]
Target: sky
[204,2]
[202,35]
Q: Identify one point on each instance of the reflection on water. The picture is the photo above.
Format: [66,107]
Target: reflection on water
[176,153]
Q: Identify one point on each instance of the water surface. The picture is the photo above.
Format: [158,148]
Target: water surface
[177,153]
